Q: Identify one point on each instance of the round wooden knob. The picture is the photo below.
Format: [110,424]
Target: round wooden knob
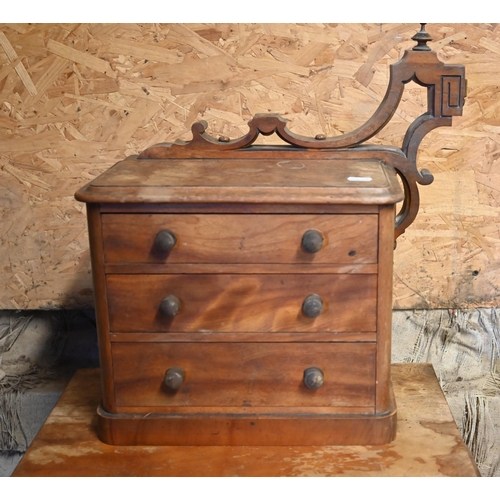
[165,240]
[170,306]
[174,377]
[313,377]
[312,241]
[312,306]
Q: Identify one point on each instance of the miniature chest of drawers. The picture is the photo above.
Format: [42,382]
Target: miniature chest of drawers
[244,293]
[244,300]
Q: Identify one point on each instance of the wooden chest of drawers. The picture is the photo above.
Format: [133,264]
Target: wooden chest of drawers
[244,301]
[243,293]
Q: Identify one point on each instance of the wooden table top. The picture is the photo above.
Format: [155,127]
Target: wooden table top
[427,444]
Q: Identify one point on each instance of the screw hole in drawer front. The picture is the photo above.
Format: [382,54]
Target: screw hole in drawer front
[242,303]
[240,238]
[250,374]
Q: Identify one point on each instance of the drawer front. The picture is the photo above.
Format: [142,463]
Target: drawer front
[244,374]
[239,238]
[242,303]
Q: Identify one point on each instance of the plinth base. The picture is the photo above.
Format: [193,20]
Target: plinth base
[230,427]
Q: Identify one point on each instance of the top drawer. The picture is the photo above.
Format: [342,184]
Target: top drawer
[241,238]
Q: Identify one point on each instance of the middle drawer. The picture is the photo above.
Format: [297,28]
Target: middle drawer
[242,303]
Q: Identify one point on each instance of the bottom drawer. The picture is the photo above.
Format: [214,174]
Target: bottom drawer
[243,374]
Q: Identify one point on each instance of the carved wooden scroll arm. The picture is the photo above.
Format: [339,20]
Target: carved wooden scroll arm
[446,89]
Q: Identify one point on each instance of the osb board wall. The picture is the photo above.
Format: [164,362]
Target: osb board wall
[74,99]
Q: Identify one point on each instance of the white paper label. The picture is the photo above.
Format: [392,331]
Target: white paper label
[359,179]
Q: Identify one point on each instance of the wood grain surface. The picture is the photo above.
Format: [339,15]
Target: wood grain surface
[384,309]
[254,175]
[242,303]
[249,374]
[261,427]
[246,170]
[240,239]
[101,305]
[427,443]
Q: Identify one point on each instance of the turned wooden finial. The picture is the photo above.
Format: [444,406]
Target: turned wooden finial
[422,37]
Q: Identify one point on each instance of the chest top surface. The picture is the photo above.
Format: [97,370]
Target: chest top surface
[245,180]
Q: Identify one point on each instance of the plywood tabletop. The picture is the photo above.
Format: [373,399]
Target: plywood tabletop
[427,444]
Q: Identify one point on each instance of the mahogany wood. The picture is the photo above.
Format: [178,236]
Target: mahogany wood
[234,430]
[384,301]
[242,303]
[275,268]
[240,238]
[250,374]
[238,304]
[242,411]
[231,308]
[265,181]
[237,208]
[247,337]
[101,306]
